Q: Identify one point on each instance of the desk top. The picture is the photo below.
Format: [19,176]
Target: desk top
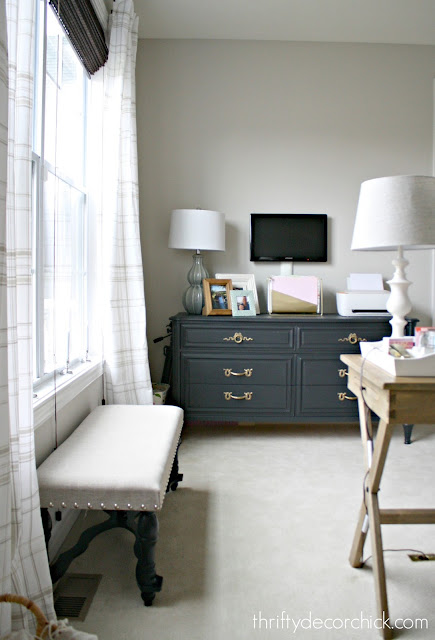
[384,380]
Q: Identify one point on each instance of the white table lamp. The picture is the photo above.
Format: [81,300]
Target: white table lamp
[197,229]
[396,213]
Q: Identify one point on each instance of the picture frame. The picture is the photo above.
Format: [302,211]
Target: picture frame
[217,299]
[243,281]
[242,302]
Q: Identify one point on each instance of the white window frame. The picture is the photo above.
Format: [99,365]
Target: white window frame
[83,371]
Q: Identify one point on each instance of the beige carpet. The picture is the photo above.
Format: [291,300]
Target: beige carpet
[256,540]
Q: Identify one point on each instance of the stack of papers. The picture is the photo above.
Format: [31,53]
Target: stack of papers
[365,282]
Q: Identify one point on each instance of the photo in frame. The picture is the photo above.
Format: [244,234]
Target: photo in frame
[243,281]
[217,299]
[242,302]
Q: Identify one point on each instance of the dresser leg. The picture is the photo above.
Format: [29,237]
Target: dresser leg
[407,432]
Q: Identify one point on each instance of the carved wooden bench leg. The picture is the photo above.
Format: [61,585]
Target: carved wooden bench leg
[47,525]
[147,528]
[60,567]
[175,476]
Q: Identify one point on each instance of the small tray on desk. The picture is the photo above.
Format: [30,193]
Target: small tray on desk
[416,366]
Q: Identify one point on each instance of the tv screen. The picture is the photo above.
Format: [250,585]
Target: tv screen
[292,237]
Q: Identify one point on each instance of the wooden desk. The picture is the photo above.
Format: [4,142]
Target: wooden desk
[395,401]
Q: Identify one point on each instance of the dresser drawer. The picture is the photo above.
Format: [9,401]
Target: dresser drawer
[238,370]
[327,400]
[343,338]
[238,398]
[235,336]
[319,371]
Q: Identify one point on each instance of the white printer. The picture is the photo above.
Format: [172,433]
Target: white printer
[364,295]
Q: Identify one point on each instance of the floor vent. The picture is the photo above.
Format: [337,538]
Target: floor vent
[74,594]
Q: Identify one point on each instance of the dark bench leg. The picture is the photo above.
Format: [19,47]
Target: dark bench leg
[175,476]
[47,525]
[146,532]
[116,519]
[145,527]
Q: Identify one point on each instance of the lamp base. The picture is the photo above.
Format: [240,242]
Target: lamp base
[193,297]
[399,304]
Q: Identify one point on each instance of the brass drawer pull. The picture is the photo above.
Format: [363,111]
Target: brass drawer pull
[238,338]
[246,372]
[342,396]
[246,396]
[352,338]
[342,373]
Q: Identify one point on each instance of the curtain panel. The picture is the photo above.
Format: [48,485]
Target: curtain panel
[5,473]
[127,373]
[23,554]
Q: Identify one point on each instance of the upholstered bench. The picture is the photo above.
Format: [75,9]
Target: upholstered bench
[122,459]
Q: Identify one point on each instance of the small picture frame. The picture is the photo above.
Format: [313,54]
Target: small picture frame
[243,302]
[217,299]
[243,281]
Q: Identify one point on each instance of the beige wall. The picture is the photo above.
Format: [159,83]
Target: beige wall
[247,127]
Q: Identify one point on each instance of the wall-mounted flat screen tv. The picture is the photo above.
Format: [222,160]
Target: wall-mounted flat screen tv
[289,237]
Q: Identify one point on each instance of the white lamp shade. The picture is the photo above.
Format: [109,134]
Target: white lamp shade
[396,211]
[197,229]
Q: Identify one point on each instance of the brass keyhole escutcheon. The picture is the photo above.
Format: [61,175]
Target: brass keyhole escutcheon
[352,338]
[238,338]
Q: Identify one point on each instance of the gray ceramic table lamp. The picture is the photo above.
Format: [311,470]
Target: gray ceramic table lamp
[198,230]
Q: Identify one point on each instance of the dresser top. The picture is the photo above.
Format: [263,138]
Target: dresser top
[281,317]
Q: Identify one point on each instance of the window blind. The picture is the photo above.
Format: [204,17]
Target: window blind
[84,31]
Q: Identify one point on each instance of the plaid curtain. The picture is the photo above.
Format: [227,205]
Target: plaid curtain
[24,564]
[125,348]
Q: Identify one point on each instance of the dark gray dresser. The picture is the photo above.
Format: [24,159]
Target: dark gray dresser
[267,368]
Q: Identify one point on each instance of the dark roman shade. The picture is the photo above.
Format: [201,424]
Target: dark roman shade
[84,31]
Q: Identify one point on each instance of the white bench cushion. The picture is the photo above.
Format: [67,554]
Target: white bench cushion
[120,457]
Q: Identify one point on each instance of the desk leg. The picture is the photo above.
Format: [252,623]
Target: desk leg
[373,482]
[378,563]
[375,457]
[366,428]
[359,538]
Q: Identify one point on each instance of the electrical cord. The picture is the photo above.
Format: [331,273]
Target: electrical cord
[422,554]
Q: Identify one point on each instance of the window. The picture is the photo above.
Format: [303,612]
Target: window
[60,201]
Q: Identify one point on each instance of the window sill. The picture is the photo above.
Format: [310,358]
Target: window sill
[67,388]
